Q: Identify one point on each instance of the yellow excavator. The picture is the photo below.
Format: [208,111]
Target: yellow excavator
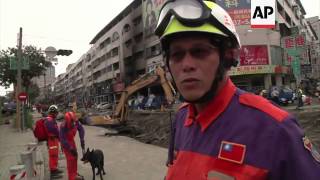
[119,115]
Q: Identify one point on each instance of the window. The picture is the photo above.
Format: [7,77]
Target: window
[88,57]
[288,19]
[89,78]
[96,63]
[107,41]
[297,12]
[115,66]
[138,55]
[103,58]
[128,43]
[104,43]
[301,20]
[138,38]
[101,45]
[126,28]
[96,75]
[114,52]
[280,9]
[153,51]
[89,67]
[137,20]
[115,36]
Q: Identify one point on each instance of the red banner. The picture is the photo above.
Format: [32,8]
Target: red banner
[239,10]
[240,16]
[118,87]
[254,55]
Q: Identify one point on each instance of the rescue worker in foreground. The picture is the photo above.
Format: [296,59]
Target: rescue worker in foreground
[53,141]
[68,130]
[223,132]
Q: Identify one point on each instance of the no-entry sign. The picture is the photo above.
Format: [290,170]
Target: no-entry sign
[22,96]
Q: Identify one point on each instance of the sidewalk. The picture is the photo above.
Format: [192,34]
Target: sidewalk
[12,143]
[125,158]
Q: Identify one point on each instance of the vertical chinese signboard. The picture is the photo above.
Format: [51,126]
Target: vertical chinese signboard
[239,10]
[295,52]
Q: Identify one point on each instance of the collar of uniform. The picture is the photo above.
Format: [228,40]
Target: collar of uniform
[215,107]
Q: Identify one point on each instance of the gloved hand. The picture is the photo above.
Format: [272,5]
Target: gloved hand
[74,152]
[82,145]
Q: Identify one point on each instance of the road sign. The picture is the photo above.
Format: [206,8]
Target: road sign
[296,67]
[24,65]
[22,96]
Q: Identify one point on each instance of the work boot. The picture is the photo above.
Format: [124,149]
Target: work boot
[56,176]
[57,171]
[79,177]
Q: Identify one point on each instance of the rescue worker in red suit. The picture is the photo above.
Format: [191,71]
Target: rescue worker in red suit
[53,141]
[68,130]
[223,132]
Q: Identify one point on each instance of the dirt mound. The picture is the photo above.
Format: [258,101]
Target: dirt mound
[151,127]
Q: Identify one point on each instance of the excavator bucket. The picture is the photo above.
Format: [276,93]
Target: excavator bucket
[102,120]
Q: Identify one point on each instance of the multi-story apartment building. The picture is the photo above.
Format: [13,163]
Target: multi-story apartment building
[45,81]
[59,88]
[315,47]
[126,47]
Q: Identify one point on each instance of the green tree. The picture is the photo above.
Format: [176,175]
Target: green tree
[37,65]
[33,92]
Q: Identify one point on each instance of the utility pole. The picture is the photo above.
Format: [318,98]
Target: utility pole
[18,90]
[44,87]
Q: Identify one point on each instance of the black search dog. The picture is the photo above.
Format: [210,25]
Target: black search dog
[96,159]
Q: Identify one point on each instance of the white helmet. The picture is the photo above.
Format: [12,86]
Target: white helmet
[53,109]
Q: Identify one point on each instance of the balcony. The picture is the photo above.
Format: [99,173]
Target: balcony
[137,48]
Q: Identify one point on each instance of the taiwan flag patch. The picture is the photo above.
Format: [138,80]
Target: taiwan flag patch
[232,152]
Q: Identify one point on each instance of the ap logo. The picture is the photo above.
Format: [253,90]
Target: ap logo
[263,13]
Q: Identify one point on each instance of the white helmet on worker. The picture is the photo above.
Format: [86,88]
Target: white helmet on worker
[53,109]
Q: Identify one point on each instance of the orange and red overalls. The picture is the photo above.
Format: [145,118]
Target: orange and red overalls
[53,141]
[68,130]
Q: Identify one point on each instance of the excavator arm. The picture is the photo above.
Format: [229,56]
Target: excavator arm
[120,113]
[147,79]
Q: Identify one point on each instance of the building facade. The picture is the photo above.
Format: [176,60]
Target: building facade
[45,82]
[315,47]
[263,57]
[126,48]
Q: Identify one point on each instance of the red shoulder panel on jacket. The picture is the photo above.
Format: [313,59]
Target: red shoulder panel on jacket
[264,105]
